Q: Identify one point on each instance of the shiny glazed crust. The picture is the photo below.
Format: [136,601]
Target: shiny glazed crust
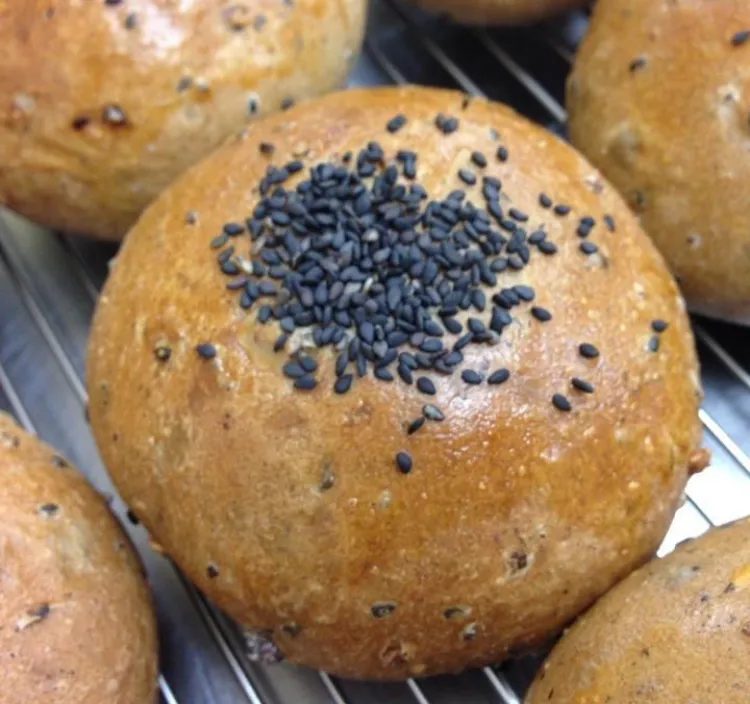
[76,625]
[514,511]
[677,630]
[499,11]
[91,131]
[659,100]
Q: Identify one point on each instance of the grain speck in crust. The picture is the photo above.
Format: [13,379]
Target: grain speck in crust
[439,408]
[659,100]
[76,624]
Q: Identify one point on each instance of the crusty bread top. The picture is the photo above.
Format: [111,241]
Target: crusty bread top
[76,625]
[659,100]
[499,11]
[102,103]
[677,630]
[288,506]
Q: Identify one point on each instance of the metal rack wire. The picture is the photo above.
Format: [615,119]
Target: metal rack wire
[48,287]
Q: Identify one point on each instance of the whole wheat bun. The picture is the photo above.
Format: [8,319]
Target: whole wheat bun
[76,625]
[91,131]
[659,100]
[677,630]
[499,11]
[287,506]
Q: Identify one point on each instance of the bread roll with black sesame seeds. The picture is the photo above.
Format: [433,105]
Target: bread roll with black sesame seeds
[503,515]
[499,11]
[677,630]
[659,100]
[91,131]
[76,625]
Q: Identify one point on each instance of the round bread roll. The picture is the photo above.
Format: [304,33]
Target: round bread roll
[677,630]
[431,452]
[91,131]
[76,625]
[499,11]
[659,100]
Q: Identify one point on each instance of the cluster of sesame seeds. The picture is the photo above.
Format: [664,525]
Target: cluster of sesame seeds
[358,257]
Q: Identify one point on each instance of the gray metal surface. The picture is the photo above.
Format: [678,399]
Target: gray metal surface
[48,288]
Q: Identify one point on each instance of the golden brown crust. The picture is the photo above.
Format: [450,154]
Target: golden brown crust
[514,509]
[76,625]
[659,100]
[499,11]
[185,76]
[677,630]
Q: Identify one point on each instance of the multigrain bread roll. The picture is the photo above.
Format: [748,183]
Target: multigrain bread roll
[76,625]
[404,393]
[104,102]
[675,631]
[499,11]
[659,100]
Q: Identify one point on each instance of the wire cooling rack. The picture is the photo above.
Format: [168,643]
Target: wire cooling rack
[48,288]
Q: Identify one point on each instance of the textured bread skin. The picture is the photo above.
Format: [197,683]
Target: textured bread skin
[499,11]
[674,632]
[76,625]
[673,134]
[185,74]
[223,460]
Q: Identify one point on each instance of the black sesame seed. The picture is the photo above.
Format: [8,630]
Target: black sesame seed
[308,363]
[741,37]
[395,123]
[653,343]
[281,340]
[415,425]
[403,462]
[561,402]
[518,215]
[545,201]
[287,103]
[609,221]
[293,370]
[426,386]
[343,383]
[547,247]
[588,350]
[266,148]
[219,240]
[212,571]
[588,247]
[78,123]
[405,373]
[432,412]
[524,292]
[502,153]
[479,159]
[659,325]
[206,350]
[561,209]
[582,385]
[541,314]
[471,377]
[305,383]
[383,374]
[467,176]
[498,377]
